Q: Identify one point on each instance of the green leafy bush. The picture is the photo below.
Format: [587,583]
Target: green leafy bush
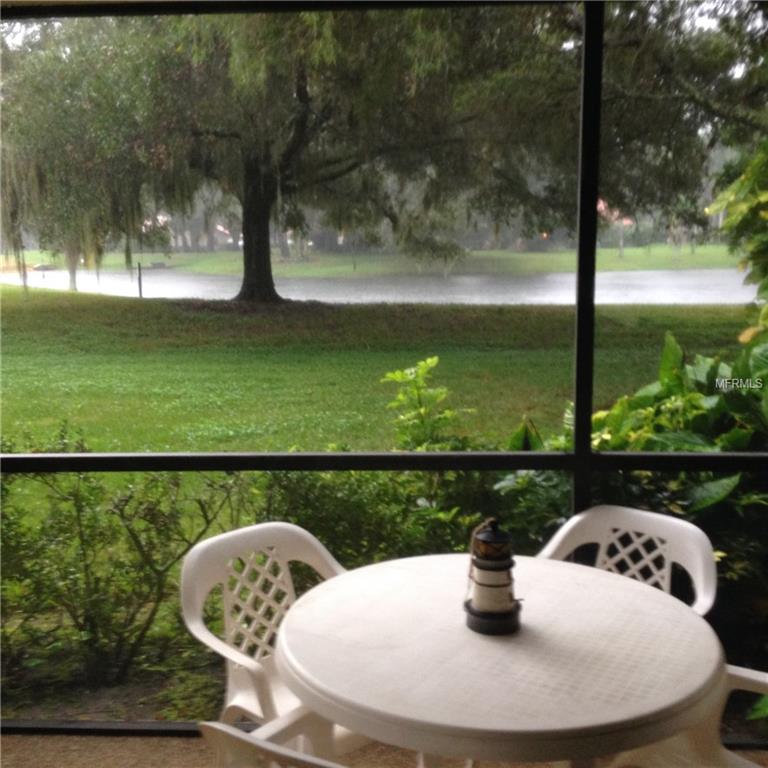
[695,407]
[683,410]
[359,516]
[535,504]
[705,405]
[85,579]
[689,408]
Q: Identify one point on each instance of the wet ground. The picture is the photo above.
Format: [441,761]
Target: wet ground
[711,286]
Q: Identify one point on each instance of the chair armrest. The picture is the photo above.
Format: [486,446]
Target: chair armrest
[703,602]
[256,671]
[743,679]
[561,545]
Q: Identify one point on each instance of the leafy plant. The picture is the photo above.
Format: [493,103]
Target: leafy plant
[92,571]
[703,405]
[444,505]
[423,418]
[360,516]
[707,405]
[535,505]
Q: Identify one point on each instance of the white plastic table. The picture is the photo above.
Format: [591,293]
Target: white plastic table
[601,663]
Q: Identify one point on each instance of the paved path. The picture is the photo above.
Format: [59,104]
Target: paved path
[711,286]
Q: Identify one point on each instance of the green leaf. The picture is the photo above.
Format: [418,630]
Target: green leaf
[760,710]
[671,365]
[740,368]
[646,395]
[758,361]
[621,419]
[702,370]
[736,439]
[743,403]
[707,494]
[724,371]
[525,438]
[710,402]
[679,441]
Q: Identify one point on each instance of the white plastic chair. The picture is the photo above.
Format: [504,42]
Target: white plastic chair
[235,749]
[641,545]
[251,568]
[699,747]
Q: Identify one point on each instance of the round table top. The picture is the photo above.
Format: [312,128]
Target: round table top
[601,663]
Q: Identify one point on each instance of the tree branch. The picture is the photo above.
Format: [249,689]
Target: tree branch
[732,112]
[213,133]
[299,124]
[353,165]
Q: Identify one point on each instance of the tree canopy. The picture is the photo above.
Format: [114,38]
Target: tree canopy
[420,117]
[745,204]
[73,170]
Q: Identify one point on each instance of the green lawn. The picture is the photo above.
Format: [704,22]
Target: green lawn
[187,375]
[657,256]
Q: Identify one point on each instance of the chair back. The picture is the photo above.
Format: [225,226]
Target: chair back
[251,566]
[642,545]
[236,749]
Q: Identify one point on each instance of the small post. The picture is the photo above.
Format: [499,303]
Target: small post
[141,294]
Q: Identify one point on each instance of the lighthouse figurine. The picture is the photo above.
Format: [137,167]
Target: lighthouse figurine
[491,605]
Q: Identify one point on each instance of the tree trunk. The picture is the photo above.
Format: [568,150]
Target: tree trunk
[621,239]
[128,253]
[209,225]
[21,265]
[72,257]
[259,196]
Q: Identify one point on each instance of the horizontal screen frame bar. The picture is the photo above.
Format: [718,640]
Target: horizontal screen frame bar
[396,461]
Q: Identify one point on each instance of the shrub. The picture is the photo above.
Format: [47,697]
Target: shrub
[686,409]
[85,579]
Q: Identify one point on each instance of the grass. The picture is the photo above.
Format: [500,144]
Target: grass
[188,375]
[350,265]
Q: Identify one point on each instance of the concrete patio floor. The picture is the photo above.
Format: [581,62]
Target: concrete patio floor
[163,752]
[169,752]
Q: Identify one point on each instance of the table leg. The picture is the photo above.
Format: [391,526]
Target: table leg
[428,761]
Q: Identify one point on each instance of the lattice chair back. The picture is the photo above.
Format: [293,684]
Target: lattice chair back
[642,545]
[235,749]
[257,593]
[251,568]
